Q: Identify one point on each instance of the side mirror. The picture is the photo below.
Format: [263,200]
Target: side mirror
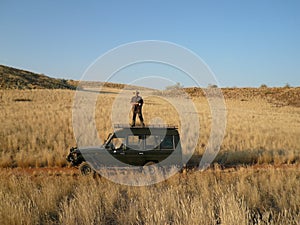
[110,146]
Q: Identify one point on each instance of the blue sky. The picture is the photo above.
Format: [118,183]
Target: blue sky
[245,43]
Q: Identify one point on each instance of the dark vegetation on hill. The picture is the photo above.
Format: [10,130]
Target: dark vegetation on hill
[12,78]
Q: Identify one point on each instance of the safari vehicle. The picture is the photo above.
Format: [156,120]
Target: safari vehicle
[131,146]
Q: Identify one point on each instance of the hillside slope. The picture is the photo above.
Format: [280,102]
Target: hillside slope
[277,96]
[12,78]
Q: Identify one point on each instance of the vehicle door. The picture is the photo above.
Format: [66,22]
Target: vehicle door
[134,152]
[158,148]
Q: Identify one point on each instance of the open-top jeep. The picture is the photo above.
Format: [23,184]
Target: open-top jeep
[131,146]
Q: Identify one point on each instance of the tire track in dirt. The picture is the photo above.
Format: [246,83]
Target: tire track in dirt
[71,171]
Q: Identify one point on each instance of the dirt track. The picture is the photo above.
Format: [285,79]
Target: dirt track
[67,171]
[54,171]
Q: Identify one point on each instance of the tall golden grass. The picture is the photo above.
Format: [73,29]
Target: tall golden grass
[36,127]
[244,196]
[36,131]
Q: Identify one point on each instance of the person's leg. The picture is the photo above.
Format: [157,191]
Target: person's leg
[141,117]
[133,118]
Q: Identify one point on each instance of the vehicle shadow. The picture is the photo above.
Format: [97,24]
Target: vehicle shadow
[233,159]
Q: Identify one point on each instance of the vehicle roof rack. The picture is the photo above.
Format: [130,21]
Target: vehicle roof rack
[146,126]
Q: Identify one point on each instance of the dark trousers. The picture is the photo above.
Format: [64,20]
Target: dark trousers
[137,111]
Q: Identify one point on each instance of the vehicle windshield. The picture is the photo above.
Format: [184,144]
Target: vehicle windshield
[114,142]
[108,139]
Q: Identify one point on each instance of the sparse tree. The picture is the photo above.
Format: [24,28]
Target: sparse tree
[175,86]
[212,86]
[263,86]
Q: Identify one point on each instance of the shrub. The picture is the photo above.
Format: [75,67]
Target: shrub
[175,86]
[263,86]
[212,86]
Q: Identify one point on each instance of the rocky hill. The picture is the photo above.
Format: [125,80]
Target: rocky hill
[12,78]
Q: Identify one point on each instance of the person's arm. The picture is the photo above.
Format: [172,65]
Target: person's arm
[133,101]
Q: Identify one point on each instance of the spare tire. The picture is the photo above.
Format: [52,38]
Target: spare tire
[86,169]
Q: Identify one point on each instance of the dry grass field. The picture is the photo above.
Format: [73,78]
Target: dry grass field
[255,178]
[244,196]
[36,126]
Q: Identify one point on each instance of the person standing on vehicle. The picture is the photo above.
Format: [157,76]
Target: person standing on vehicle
[137,104]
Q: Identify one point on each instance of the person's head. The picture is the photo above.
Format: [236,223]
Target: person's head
[136,93]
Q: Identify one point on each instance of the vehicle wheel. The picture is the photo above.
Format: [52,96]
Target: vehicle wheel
[149,168]
[86,169]
[149,163]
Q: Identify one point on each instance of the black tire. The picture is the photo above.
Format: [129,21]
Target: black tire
[149,163]
[86,169]
[149,168]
